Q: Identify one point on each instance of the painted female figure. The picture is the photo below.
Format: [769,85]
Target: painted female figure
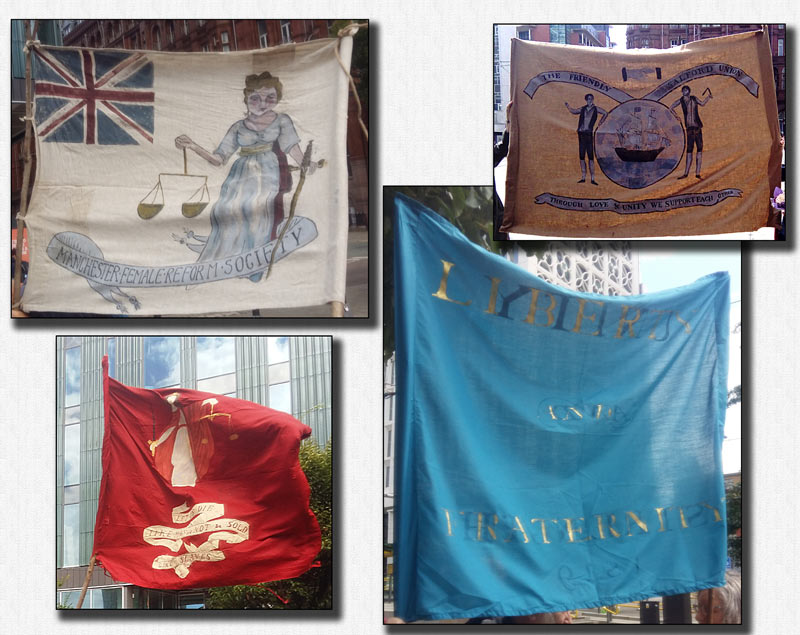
[250,205]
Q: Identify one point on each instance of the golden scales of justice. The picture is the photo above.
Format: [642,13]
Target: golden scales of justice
[149,206]
[197,202]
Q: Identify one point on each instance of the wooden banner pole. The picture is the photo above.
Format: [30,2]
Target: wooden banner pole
[86,583]
[337,309]
[30,34]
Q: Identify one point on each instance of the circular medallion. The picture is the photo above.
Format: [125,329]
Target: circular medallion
[639,143]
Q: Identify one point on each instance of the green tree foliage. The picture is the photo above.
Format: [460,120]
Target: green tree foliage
[469,208]
[733,498]
[313,589]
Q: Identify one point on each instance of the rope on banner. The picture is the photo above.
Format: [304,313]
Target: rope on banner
[349,31]
[30,42]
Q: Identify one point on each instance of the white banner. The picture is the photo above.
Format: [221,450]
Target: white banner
[174,174]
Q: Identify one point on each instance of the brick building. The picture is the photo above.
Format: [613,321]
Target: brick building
[577,34]
[663,36]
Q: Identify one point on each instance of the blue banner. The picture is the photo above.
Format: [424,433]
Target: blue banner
[554,450]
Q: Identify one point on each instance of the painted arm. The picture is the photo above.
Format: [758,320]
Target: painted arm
[602,112]
[703,103]
[674,104]
[182,142]
[297,154]
[574,111]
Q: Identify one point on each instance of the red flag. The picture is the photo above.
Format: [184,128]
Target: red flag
[201,490]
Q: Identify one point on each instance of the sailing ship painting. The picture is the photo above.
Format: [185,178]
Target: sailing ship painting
[640,138]
[639,143]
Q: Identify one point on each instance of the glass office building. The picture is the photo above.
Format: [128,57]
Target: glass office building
[292,374]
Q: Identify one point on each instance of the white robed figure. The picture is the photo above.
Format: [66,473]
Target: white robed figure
[183,450]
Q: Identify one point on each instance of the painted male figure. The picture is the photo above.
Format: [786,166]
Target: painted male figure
[694,127]
[587,117]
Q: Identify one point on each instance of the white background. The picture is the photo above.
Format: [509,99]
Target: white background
[431,123]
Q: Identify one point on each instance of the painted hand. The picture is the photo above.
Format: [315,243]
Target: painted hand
[183,141]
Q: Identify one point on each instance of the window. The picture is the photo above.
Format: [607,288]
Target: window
[104,598]
[171,31]
[286,34]
[192,601]
[162,365]
[674,42]
[780,47]
[224,37]
[387,443]
[645,27]
[783,78]
[72,452]
[112,356]
[205,48]
[72,494]
[152,599]
[215,356]
[71,535]
[186,27]
[524,35]
[110,598]
[157,39]
[280,397]
[221,385]
[72,379]
[277,349]
[69,599]
[262,34]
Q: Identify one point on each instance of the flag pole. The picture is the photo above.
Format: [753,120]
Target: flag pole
[85,583]
[337,309]
[30,34]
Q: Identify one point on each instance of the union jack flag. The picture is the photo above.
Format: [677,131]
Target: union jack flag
[93,96]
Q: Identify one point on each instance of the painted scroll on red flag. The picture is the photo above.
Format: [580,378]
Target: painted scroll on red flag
[201,490]
[650,142]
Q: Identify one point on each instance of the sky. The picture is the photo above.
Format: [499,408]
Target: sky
[617,34]
[666,268]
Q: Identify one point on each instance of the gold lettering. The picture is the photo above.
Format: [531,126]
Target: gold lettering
[544,528]
[519,527]
[623,321]
[717,517]
[480,524]
[493,296]
[552,414]
[579,319]
[580,416]
[449,524]
[661,517]
[631,516]
[531,319]
[571,531]
[660,313]
[613,531]
[442,292]
[684,524]
[686,326]
[490,530]
[599,411]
